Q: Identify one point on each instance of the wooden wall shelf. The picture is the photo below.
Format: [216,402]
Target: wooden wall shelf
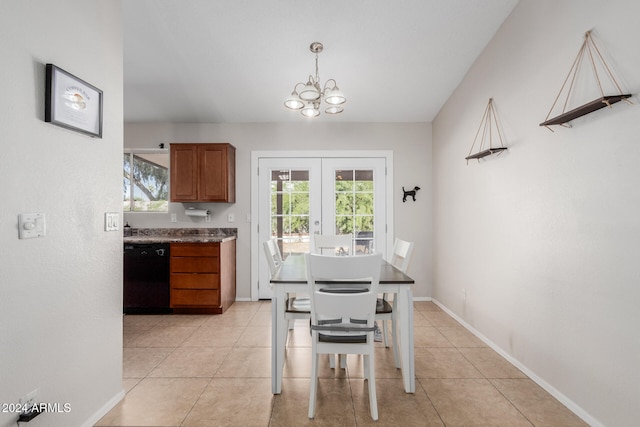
[590,107]
[486,153]
[488,125]
[590,50]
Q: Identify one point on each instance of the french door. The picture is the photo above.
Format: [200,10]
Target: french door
[301,197]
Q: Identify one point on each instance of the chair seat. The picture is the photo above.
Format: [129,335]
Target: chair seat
[298,305]
[383,306]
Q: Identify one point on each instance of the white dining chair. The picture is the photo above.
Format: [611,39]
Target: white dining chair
[343,314]
[386,311]
[332,244]
[273,254]
[297,306]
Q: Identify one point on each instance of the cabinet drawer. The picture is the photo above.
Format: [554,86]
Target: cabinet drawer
[195,281]
[194,298]
[194,264]
[195,249]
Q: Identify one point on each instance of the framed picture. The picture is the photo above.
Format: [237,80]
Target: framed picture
[72,103]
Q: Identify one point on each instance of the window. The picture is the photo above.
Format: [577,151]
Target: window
[145,181]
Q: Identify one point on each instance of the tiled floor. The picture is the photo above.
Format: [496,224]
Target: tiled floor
[192,370]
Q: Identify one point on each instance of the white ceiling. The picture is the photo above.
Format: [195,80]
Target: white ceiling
[235,61]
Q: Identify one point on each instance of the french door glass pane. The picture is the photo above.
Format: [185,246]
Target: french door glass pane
[290,210]
[354,207]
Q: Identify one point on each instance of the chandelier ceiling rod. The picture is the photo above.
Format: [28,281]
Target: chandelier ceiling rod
[311,96]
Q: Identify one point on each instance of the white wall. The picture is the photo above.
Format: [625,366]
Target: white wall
[544,238]
[411,144]
[61,295]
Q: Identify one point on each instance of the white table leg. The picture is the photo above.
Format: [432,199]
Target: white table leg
[278,339]
[405,320]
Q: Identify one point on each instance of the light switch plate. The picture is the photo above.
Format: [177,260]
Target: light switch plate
[111,221]
[31,225]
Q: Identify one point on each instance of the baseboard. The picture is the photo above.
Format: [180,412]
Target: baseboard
[105,408]
[573,407]
[422,298]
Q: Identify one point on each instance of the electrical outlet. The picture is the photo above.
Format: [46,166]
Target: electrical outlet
[30,399]
[231,217]
[174,218]
[207,218]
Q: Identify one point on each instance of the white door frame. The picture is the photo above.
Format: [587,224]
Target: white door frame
[256,250]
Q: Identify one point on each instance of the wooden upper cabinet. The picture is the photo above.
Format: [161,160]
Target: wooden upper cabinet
[203,173]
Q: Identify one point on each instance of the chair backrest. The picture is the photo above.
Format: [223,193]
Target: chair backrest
[332,244]
[274,258]
[401,256]
[343,293]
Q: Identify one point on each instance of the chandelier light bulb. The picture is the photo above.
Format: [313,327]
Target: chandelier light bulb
[310,111]
[293,102]
[334,96]
[334,109]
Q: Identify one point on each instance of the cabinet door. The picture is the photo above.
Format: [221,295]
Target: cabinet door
[217,173]
[184,173]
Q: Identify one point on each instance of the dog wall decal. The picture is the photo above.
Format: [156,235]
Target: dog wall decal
[410,193]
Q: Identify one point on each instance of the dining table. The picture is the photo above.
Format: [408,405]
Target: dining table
[292,278]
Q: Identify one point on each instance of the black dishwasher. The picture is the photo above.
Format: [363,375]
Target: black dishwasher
[146,278]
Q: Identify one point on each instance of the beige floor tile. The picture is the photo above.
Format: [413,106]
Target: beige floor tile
[130,334]
[472,402]
[146,321]
[164,336]
[291,408]
[191,362]
[137,362]
[395,407]
[440,318]
[246,362]
[459,336]
[156,402]
[232,318]
[248,307]
[255,336]
[429,336]
[264,306]
[334,405]
[261,318]
[536,404]
[490,363]
[425,306]
[420,319]
[185,319]
[129,383]
[214,336]
[238,402]
[443,363]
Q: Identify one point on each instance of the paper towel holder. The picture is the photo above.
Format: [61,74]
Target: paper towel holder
[197,212]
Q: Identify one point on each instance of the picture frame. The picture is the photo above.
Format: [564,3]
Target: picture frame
[72,103]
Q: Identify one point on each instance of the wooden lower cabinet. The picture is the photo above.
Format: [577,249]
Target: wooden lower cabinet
[203,277]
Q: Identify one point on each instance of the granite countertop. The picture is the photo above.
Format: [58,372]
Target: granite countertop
[181,235]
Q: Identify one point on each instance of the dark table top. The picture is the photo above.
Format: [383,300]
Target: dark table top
[293,270]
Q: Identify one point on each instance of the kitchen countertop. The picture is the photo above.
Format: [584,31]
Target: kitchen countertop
[181,235]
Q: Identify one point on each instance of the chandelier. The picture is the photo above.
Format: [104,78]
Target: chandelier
[310,97]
